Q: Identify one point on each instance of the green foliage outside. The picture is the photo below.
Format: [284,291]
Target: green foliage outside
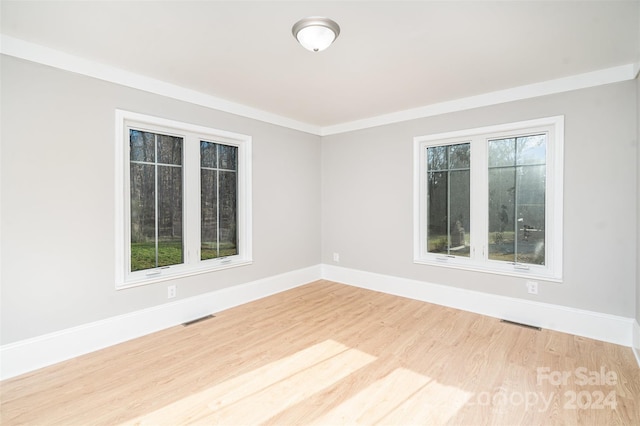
[439,244]
[501,248]
[505,237]
[143,255]
[208,251]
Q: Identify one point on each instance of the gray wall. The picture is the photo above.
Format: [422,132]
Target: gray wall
[638,175]
[58,199]
[312,196]
[367,198]
[638,201]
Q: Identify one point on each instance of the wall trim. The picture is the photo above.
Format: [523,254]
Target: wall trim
[54,58]
[636,341]
[18,48]
[575,82]
[41,351]
[31,354]
[594,325]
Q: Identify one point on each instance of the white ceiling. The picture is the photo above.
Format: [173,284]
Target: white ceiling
[390,56]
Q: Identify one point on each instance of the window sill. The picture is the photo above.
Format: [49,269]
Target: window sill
[497,269]
[178,272]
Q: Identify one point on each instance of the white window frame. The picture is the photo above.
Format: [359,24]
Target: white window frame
[192,135]
[478,257]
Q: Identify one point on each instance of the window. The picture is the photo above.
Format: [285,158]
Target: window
[183,199]
[490,199]
[218,192]
[448,204]
[155,183]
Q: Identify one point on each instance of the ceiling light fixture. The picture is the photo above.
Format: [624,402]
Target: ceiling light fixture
[315,33]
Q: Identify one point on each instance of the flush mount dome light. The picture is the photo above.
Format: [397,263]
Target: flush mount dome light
[315,33]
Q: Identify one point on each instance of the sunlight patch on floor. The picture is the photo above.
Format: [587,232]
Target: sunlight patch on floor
[258,395]
[376,400]
[433,404]
[401,397]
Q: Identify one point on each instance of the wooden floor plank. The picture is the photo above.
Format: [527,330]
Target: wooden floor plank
[327,353]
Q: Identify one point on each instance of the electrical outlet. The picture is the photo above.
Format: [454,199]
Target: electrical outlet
[171,292]
[532,287]
[336,257]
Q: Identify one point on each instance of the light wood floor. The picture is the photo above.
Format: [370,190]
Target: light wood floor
[327,353]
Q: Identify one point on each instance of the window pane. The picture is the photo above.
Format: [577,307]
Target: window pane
[156,200]
[227,155]
[532,149]
[142,146]
[448,199]
[227,206]
[437,158]
[459,156]
[459,211]
[438,221]
[501,213]
[517,200]
[209,214]
[502,152]
[208,154]
[530,238]
[219,188]
[169,150]
[143,216]
[170,251]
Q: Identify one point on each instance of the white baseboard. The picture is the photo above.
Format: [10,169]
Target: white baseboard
[30,354]
[636,341]
[595,325]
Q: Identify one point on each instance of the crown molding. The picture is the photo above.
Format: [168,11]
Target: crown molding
[550,87]
[46,56]
[43,55]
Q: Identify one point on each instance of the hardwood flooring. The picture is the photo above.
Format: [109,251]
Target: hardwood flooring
[327,354]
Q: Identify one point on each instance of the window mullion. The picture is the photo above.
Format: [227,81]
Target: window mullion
[448,230]
[516,207]
[217,200]
[191,200]
[479,199]
[420,204]
[155,201]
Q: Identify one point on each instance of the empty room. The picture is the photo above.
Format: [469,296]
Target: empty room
[319,212]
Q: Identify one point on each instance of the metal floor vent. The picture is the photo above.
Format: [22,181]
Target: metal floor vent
[533,327]
[204,318]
